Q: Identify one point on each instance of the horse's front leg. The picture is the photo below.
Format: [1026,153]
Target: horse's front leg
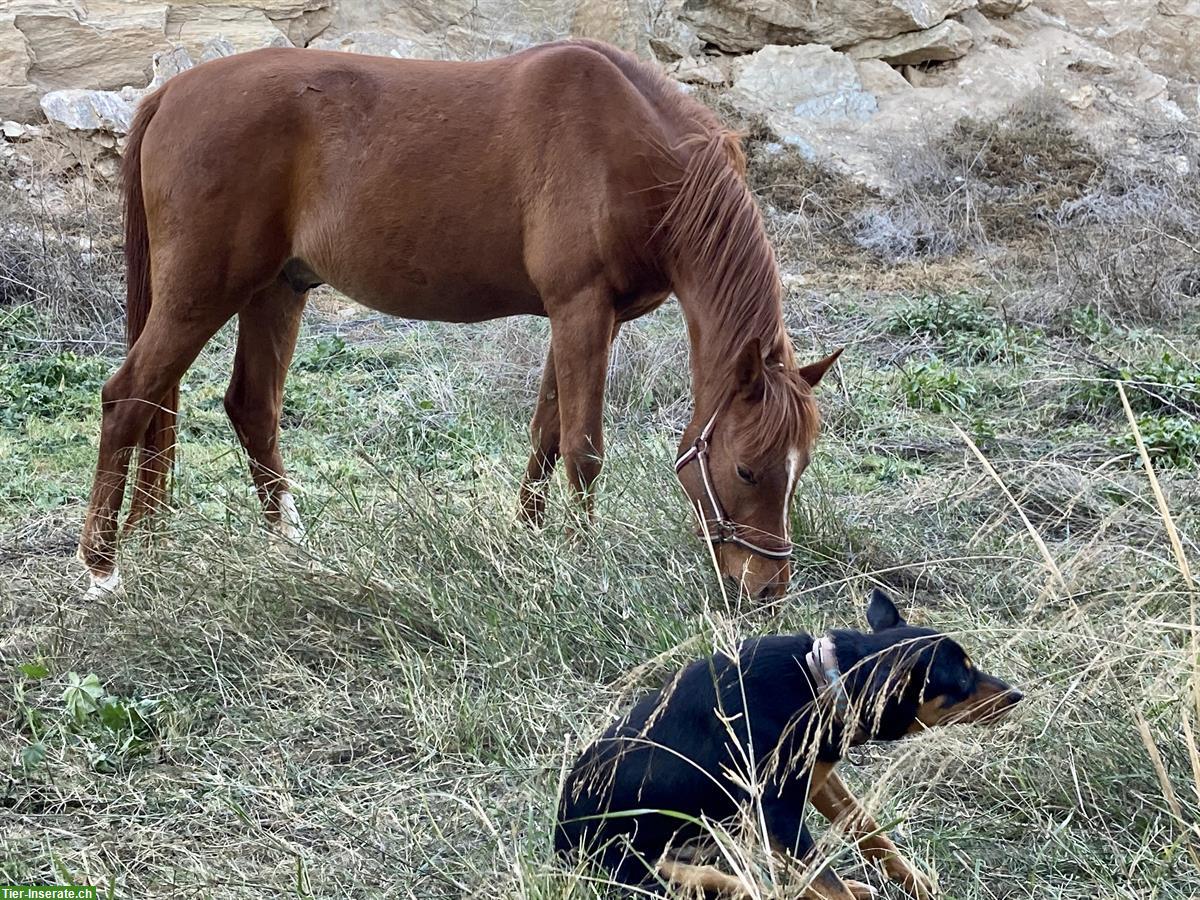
[545,431]
[581,335]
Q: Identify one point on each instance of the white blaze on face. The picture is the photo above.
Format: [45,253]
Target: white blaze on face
[289,524]
[793,467]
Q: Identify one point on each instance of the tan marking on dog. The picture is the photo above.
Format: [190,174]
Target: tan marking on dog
[705,878]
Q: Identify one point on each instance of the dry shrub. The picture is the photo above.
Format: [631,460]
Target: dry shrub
[1000,181]
[61,254]
[1129,246]
[1022,167]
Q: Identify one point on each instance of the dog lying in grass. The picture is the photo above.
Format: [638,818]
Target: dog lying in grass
[780,717]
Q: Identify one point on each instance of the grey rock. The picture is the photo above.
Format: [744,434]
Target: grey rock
[944,41]
[742,25]
[91,110]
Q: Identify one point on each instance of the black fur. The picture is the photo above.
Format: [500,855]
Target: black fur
[668,753]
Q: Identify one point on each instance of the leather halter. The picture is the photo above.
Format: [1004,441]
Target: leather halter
[723,530]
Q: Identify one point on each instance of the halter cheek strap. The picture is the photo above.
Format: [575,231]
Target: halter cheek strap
[723,530]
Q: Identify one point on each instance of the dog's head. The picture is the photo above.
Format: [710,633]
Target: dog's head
[901,679]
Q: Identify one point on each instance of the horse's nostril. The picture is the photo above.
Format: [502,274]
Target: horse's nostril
[1015,696]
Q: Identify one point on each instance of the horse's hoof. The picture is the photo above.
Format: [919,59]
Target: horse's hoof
[289,526]
[105,585]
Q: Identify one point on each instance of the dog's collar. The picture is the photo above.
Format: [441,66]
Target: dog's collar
[822,663]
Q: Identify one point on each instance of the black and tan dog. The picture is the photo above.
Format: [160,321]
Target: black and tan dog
[780,716]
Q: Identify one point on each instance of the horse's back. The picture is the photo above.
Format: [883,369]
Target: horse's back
[441,190]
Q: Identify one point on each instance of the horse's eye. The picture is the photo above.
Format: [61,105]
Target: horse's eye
[746,475]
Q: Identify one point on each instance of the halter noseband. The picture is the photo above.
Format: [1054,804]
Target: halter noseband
[724,530]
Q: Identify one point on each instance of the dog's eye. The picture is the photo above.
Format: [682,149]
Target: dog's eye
[746,475]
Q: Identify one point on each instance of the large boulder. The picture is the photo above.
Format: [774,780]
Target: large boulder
[458,29]
[620,22]
[105,47]
[742,25]
[812,82]
[248,24]
[80,110]
[943,42]
[18,98]
[1164,34]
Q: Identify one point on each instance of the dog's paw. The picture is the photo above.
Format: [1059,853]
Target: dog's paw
[915,883]
[860,890]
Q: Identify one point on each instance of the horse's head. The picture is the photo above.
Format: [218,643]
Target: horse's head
[740,462]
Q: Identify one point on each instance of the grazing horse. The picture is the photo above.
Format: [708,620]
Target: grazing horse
[568,181]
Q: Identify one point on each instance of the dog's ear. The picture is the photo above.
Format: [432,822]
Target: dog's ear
[882,613]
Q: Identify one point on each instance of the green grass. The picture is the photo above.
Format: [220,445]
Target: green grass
[387,710]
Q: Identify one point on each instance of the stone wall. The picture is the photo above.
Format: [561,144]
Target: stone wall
[842,80]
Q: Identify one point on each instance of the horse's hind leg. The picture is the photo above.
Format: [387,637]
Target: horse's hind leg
[545,431]
[267,331]
[162,353]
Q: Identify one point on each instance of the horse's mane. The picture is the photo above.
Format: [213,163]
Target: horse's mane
[712,230]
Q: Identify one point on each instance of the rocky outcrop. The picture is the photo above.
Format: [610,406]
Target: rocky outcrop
[999,8]
[846,81]
[786,84]
[878,113]
[248,24]
[744,25]
[18,98]
[620,22]
[1164,34]
[53,45]
[112,112]
[943,42]
[70,49]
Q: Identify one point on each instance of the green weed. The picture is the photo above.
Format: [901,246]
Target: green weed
[934,386]
[1168,384]
[959,326]
[112,731]
[1170,440]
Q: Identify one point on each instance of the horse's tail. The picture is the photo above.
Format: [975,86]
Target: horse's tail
[157,446]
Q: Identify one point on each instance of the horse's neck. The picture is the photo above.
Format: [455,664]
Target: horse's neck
[715,339]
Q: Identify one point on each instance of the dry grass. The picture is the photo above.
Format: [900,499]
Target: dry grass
[388,710]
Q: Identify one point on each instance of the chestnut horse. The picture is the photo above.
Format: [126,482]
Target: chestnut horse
[568,181]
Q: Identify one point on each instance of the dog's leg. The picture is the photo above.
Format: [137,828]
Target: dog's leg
[834,801]
[708,879]
[831,886]
[791,841]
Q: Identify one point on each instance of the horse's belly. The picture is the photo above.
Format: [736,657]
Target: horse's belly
[438,273]
[440,300]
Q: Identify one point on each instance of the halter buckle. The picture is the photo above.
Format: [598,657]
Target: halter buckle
[724,531]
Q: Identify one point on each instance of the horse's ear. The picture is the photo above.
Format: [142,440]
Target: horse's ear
[882,613]
[749,371]
[814,372]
